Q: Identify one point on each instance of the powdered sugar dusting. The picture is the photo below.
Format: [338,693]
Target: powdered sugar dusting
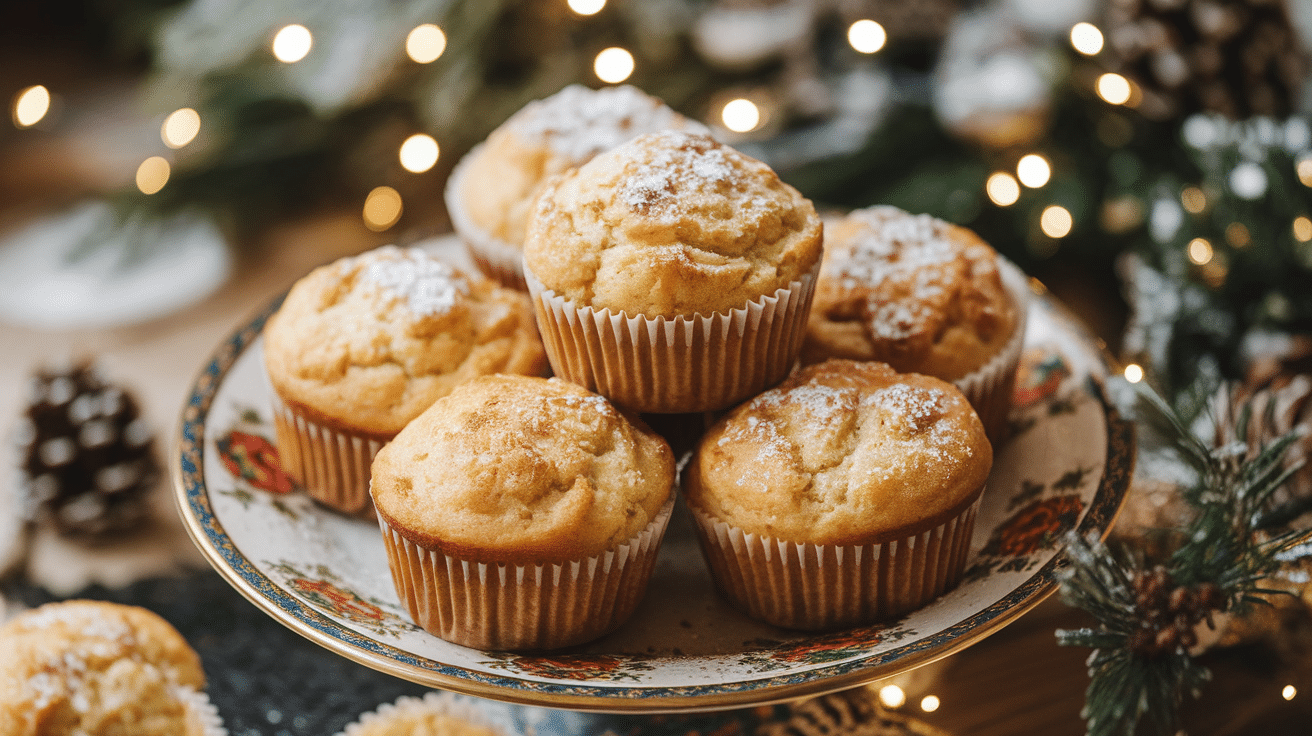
[579,123]
[79,620]
[66,673]
[895,245]
[680,165]
[428,286]
[914,416]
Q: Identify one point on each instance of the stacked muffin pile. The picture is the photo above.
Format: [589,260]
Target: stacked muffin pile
[666,273]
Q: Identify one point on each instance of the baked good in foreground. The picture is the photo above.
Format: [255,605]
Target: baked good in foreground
[435,714]
[843,496]
[491,192]
[90,668]
[672,274]
[522,513]
[924,296]
[363,345]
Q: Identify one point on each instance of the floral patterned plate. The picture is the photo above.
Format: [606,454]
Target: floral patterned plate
[1066,466]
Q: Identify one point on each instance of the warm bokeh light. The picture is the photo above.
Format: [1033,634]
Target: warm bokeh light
[1200,251]
[1086,38]
[180,127]
[587,7]
[1304,169]
[1033,170]
[30,105]
[1237,235]
[929,703]
[382,208]
[867,36]
[419,153]
[1193,200]
[1289,692]
[152,174]
[425,43]
[741,115]
[1002,188]
[1302,229]
[1114,88]
[292,43]
[1056,221]
[892,696]
[1134,373]
[614,65]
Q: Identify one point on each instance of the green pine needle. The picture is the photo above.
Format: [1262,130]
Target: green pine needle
[1222,547]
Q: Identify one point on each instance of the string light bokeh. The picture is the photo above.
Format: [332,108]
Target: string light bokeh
[1086,39]
[382,208]
[30,106]
[180,127]
[867,36]
[292,43]
[1033,170]
[1002,188]
[419,153]
[741,115]
[613,65]
[425,43]
[153,174]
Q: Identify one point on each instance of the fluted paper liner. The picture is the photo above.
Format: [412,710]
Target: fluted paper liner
[495,257]
[675,364]
[815,587]
[201,712]
[515,607]
[332,465]
[989,388]
[432,703]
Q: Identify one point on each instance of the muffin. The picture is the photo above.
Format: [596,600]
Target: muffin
[435,714]
[672,274]
[100,669]
[843,496]
[522,513]
[924,296]
[362,346]
[491,192]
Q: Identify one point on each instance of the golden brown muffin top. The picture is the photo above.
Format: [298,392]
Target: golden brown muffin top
[550,136]
[843,453]
[518,470]
[370,341]
[913,291]
[88,667]
[671,224]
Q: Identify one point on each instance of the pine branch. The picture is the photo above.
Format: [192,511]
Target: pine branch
[1141,670]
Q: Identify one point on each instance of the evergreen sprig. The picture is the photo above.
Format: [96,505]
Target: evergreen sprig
[1148,614]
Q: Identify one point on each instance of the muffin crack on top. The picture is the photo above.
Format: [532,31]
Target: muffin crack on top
[373,339]
[912,290]
[842,451]
[670,224]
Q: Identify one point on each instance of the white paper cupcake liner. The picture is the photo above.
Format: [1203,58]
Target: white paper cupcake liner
[331,465]
[989,388]
[515,607]
[495,257]
[201,713]
[814,587]
[408,708]
[675,364]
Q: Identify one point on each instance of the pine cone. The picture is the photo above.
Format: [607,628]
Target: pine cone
[1239,58]
[1278,390]
[1169,614]
[86,455]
